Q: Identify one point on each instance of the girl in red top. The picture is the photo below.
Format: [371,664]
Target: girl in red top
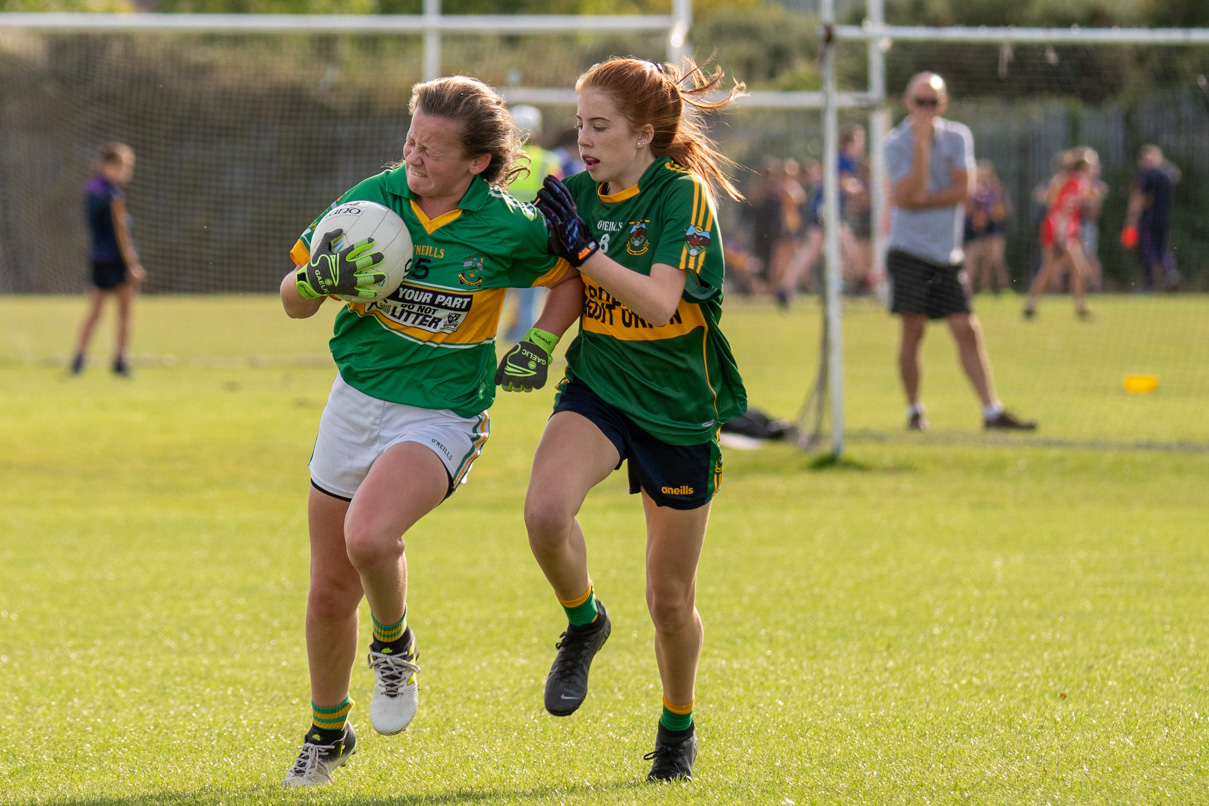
[1070,191]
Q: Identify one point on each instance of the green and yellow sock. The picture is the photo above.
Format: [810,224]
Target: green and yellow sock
[582,609]
[327,724]
[391,639]
[676,717]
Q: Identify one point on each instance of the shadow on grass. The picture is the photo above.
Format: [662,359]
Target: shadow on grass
[779,458]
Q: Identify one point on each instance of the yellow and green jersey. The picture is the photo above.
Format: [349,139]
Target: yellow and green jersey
[431,343]
[676,380]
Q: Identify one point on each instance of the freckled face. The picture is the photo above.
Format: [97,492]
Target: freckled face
[607,142]
[436,167]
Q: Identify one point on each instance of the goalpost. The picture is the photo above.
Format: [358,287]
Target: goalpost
[1005,49]
[246,125]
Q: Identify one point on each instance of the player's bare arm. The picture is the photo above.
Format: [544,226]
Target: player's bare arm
[564,304]
[130,257]
[295,306]
[654,298]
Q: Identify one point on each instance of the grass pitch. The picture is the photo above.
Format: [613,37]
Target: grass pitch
[935,618]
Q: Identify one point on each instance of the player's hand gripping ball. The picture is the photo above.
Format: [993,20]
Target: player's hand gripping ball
[360,252]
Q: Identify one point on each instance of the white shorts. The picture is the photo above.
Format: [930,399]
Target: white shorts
[356,429]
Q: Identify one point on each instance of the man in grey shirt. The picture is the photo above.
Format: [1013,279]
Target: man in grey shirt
[930,162]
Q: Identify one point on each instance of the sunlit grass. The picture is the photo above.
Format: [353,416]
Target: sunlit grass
[937,618]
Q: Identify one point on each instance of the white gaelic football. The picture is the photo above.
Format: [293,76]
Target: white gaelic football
[366,219]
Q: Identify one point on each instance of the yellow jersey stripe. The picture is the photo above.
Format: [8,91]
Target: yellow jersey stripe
[432,225]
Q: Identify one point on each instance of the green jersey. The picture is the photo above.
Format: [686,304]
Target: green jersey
[677,380]
[431,343]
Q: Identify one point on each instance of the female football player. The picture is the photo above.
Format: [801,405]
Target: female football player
[115,262]
[407,413]
[1071,191]
[650,377]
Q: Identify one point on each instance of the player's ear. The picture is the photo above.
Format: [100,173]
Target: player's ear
[645,133]
[479,164]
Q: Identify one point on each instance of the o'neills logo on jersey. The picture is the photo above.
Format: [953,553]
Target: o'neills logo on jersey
[433,311]
[636,243]
[676,490]
[600,306]
[697,240]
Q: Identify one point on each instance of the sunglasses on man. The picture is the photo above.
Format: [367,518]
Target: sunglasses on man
[926,102]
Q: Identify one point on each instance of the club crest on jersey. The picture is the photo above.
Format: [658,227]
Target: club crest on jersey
[636,243]
[697,240]
[472,272]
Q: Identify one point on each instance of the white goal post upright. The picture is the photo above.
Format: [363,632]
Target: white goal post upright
[832,273]
[879,37]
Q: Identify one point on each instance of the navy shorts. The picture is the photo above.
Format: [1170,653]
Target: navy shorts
[108,274]
[924,288]
[675,476]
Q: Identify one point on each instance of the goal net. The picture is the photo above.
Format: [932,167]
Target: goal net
[1032,106]
[240,138]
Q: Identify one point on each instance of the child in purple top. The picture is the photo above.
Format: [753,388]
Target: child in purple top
[114,261]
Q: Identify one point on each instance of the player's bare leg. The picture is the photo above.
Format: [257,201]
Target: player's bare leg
[674,540]
[96,298]
[331,608]
[125,294]
[374,528]
[572,457]
[1079,272]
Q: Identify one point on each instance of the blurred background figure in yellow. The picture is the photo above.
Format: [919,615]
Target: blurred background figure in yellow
[542,163]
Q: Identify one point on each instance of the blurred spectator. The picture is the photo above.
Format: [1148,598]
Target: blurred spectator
[1069,193]
[792,199]
[856,227]
[116,270]
[1148,219]
[777,208]
[930,166]
[542,163]
[566,148]
[855,211]
[985,238]
[1091,228]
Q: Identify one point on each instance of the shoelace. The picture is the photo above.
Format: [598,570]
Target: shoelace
[664,756]
[577,647]
[309,758]
[661,755]
[394,673]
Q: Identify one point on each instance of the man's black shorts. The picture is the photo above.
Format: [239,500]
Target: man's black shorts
[675,476]
[924,288]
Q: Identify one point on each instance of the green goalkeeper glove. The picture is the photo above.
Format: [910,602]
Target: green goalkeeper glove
[524,368]
[348,274]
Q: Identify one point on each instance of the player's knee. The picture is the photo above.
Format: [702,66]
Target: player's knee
[330,599]
[369,548]
[671,609]
[547,521]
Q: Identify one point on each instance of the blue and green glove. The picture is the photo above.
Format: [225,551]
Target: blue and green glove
[348,274]
[524,368]
[569,235]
